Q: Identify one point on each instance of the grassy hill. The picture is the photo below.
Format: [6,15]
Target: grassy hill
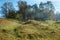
[36,30]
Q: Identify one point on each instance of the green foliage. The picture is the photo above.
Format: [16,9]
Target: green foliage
[22,9]
[8,10]
[45,11]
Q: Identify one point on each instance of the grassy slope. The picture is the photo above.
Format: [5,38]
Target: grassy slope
[12,30]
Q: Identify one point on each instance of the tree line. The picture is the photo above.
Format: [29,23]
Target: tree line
[43,11]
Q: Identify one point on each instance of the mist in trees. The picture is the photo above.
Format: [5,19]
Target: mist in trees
[45,11]
[57,16]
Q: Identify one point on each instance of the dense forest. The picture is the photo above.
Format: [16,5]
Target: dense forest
[41,12]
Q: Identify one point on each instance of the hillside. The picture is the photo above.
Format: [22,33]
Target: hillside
[36,30]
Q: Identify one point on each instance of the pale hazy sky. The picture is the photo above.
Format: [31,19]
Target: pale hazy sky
[56,3]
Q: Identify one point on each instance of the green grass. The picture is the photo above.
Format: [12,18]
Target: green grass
[36,30]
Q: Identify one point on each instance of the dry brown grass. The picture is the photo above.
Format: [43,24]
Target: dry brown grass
[11,30]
